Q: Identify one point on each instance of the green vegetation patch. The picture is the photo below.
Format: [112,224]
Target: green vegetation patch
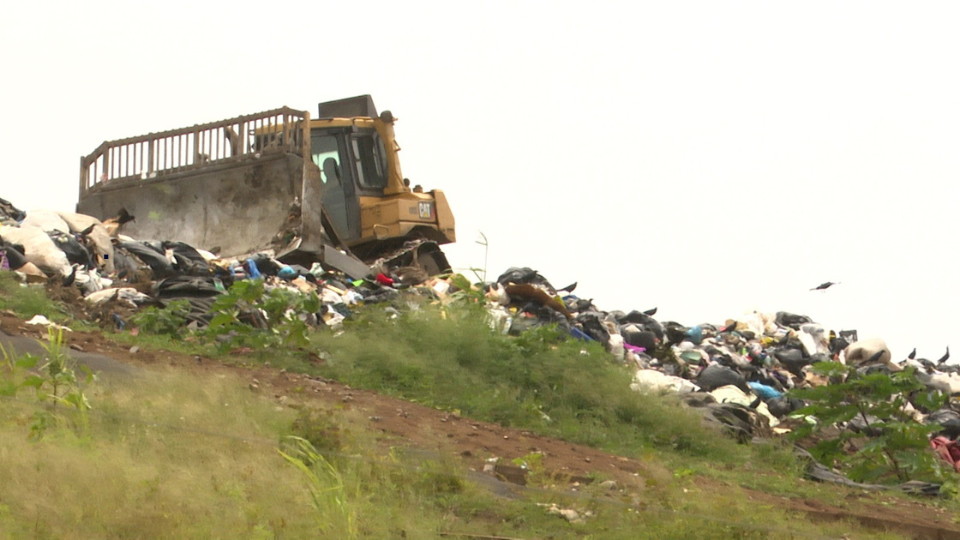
[27,300]
[541,380]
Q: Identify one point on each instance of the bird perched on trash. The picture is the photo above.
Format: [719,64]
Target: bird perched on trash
[729,328]
[875,357]
[824,286]
[913,354]
[113,224]
[945,357]
[69,280]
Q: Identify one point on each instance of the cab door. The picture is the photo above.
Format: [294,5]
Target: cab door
[331,154]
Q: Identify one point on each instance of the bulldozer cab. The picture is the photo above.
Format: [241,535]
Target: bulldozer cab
[352,163]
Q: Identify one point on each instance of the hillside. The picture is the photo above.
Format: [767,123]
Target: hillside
[595,422]
[682,481]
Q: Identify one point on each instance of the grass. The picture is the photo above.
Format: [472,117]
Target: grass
[27,300]
[147,467]
[538,381]
[178,457]
[198,456]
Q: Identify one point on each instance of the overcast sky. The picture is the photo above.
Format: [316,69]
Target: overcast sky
[706,158]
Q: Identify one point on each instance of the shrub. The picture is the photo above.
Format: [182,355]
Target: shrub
[248,315]
[168,320]
[887,444]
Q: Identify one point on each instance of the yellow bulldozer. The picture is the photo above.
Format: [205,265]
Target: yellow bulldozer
[328,189]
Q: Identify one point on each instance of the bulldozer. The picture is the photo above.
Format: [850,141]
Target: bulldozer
[326,189]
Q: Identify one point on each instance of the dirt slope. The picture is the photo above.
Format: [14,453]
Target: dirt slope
[403,423]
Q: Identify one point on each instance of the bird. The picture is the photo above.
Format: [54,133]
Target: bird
[113,224]
[68,280]
[875,357]
[913,354]
[650,312]
[945,357]
[729,328]
[824,286]
[569,288]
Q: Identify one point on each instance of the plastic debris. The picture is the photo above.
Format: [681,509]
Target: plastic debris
[40,320]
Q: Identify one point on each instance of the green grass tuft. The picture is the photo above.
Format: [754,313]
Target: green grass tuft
[540,381]
[27,300]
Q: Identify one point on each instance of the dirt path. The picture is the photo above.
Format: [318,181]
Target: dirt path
[20,344]
[402,423]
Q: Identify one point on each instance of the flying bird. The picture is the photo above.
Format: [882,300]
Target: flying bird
[824,286]
[113,224]
[569,288]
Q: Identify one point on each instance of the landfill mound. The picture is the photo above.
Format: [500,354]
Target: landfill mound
[738,372]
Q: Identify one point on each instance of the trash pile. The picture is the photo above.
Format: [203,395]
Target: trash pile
[737,372]
[114,270]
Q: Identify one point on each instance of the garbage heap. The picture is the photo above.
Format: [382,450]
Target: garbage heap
[737,372]
[117,274]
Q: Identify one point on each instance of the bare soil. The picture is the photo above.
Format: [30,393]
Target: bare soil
[402,423]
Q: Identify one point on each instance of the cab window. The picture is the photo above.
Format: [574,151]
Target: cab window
[323,147]
[371,171]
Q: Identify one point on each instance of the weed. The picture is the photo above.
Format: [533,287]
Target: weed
[248,315]
[326,489]
[27,300]
[879,440]
[55,380]
[168,320]
[14,370]
[320,429]
[533,464]
[465,292]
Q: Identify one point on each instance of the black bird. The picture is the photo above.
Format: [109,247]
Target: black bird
[68,280]
[945,357]
[824,286]
[113,224]
[875,358]
[650,312]
[729,328]
[569,288]
[913,354]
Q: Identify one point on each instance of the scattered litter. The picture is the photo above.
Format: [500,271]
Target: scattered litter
[40,320]
[571,515]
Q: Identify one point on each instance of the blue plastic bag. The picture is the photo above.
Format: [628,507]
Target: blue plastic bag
[765,392]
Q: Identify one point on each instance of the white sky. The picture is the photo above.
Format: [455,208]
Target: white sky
[703,157]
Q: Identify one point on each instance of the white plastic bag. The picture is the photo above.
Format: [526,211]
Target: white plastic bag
[99,237]
[47,220]
[39,248]
[646,379]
